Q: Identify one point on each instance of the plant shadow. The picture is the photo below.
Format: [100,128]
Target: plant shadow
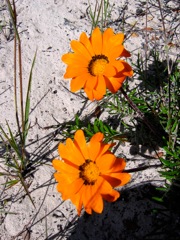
[133,216]
[154,89]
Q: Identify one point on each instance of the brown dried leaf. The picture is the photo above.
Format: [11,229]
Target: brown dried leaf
[158,155]
[171,44]
[149,18]
[154,38]
[148,29]
[134,34]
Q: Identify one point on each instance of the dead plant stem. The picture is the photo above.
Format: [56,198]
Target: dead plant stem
[15,76]
[21,84]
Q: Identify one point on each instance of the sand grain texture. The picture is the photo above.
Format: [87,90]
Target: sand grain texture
[48,27]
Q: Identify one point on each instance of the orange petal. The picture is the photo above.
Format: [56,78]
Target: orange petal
[96,40]
[79,48]
[110,86]
[63,167]
[74,59]
[125,53]
[115,52]
[96,204]
[106,36]
[70,154]
[111,197]
[108,33]
[103,186]
[101,85]
[78,82]
[63,151]
[62,178]
[110,70]
[113,84]
[69,190]
[98,95]
[92,200]
[91,82]
[68,58]
[119,165]
[105,162]
[127,71]
[117,39]
[94,145]
[65,178]
[87,198]
[117,179]
[89,93]
[125,178]
[74,71]
[76,154]
[80,142]
[118,65]
[93,148]
[77,199]
[65,154]
[86,42]
[98,137]
[106,190]
[111,180]
[104,148]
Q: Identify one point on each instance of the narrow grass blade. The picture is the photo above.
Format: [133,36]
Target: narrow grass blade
[27,106]
[11,183]
[26,189]
[11,140]
[13,18]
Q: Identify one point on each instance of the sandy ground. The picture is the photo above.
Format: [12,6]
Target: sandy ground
[49,26]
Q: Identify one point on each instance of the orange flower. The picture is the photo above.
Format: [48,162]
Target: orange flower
[88,172]
[95,65]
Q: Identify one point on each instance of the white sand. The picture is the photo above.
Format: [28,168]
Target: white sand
[49,26]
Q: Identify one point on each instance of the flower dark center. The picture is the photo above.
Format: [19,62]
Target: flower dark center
[89,172]
[97,65]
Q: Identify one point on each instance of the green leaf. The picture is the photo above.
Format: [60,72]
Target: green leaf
[11,183]
[11,140]
[158,199]
[106,129]
[13,19]
[170,173]
[163,189]
[89,133]
[101,126]
[168,163]
[169,152]
[96,129]
[77,120]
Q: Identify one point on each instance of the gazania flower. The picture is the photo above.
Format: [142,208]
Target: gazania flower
[88,172]
[95,63]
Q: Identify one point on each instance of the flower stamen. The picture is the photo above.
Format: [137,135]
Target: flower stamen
[97,65]
[89,172]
